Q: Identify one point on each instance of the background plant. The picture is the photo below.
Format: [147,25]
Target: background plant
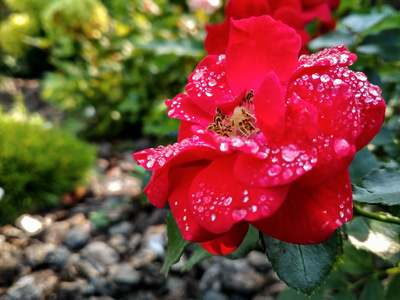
[38,163]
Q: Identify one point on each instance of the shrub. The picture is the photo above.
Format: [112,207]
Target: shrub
[37,164]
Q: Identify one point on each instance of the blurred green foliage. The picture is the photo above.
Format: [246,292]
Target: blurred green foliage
[113,62]
[38,163]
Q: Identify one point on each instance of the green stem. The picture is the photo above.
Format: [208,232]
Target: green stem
[380,217]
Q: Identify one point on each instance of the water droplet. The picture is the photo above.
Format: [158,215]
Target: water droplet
[245,199]
[320,87]
[263,198]
[212,82]
[176,202]
[265,210]
[207,199]
[213,217]
[290,152]
[253,208]
[197,75]
[274,170]
[325,78]
[209,92]
[307,166]
[199,194]
[342,147]
[245,192]
[287,174]
[224,147]
[150,163]
[228,201]
[341,214]
[239,214]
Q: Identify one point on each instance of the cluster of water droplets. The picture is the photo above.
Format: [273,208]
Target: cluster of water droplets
[178,109]
[211,206]
[366,94]
[336,56]
[337,110]
[284,164]
[157,157]
[209,81]
[345,211]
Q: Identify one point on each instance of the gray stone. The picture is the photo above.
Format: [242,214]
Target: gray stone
[100,255]
[70,289]
[213,295]
[58,257]
[78,236]
[239,277]
[35,286]
[126,228]
[124,274]
[119,242]
[36,254]
[56,233]
[9,267]
[259,261]
[211,279]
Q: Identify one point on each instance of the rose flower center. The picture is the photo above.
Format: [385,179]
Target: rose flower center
[241,122]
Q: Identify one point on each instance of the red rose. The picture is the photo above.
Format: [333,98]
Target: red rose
[266,139]
[295,13]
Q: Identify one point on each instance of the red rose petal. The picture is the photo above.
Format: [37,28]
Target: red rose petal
[283,164]
[217,38]
[218,200]
[179,203]
[335,56]
[243,9]
[256,47]
[208,88]
[371,106]
[310,215]
[228,242]
[158,188]
[182,107]
[338,123]
[269,107]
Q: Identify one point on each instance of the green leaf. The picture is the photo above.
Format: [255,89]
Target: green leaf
[356,261]
[175,246]
[392,291]
[291,294]
[383,137]
[249,243]
[364,161]
[372,290]
[344,295]
[382,239]
[303,267]
[384,184]
[199,254]
[333,38]
[362,195]
[359,23]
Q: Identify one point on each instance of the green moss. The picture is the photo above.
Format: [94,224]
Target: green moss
[37,165]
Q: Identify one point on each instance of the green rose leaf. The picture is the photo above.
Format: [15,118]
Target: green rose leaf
[344,295]
[249,243]
[303,267]
[175,246]
[358,23]
[364,161]
[392,291]
[372,290]
[383,184]
[382,239]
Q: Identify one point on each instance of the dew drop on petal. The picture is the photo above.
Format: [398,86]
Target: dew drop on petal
[213,217]
[212,82]
[290,152]
[228,201]
[274,170]
[207,199]
[342,147]
[287,174]
[200,209]
[239,214]
[265,210]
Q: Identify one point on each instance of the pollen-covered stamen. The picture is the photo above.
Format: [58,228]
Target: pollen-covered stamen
[241,122]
